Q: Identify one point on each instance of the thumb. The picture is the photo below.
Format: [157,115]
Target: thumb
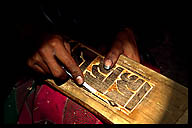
[113,55]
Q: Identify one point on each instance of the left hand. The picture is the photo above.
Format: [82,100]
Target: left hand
[124,44]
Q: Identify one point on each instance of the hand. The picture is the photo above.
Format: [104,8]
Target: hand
[54,48]
[124,44]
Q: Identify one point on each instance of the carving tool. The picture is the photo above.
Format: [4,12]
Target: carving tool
[96,93]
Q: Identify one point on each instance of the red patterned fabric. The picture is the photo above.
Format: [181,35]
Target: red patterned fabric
[51,106]
[25,115]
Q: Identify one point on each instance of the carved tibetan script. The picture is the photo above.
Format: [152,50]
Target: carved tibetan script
[122,85]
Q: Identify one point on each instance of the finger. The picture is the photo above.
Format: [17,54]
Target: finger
[113,55]
[55,68]
[41,63]
[70,64]
[38,68]
[67,46]
[35,64]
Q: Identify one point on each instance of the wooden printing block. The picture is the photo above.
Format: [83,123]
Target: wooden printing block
[139,94]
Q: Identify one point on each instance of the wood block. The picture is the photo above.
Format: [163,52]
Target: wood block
[139,95]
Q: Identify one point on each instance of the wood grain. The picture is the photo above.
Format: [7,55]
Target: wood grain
[140,94]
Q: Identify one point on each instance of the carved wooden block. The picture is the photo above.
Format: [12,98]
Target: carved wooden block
[137,94]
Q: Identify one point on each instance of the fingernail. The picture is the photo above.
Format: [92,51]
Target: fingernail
[107,67]
[108,64]
[79,80]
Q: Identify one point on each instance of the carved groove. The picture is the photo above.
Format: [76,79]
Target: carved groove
[124,86]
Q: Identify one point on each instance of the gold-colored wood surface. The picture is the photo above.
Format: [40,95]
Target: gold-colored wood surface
[142,95]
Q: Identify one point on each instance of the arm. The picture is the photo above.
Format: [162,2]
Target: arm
[125,44]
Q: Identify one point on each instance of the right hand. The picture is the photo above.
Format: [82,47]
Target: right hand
[44,59]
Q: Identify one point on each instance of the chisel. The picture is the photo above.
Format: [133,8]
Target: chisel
[96,93]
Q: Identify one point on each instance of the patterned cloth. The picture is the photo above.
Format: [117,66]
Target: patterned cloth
[42,104]
[51,106]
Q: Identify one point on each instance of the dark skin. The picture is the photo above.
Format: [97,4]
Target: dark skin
[44,61]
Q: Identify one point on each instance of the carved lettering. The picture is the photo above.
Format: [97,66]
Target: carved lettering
[83,57]
[125,87]
[104,79]
[130,82]
[144,89]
